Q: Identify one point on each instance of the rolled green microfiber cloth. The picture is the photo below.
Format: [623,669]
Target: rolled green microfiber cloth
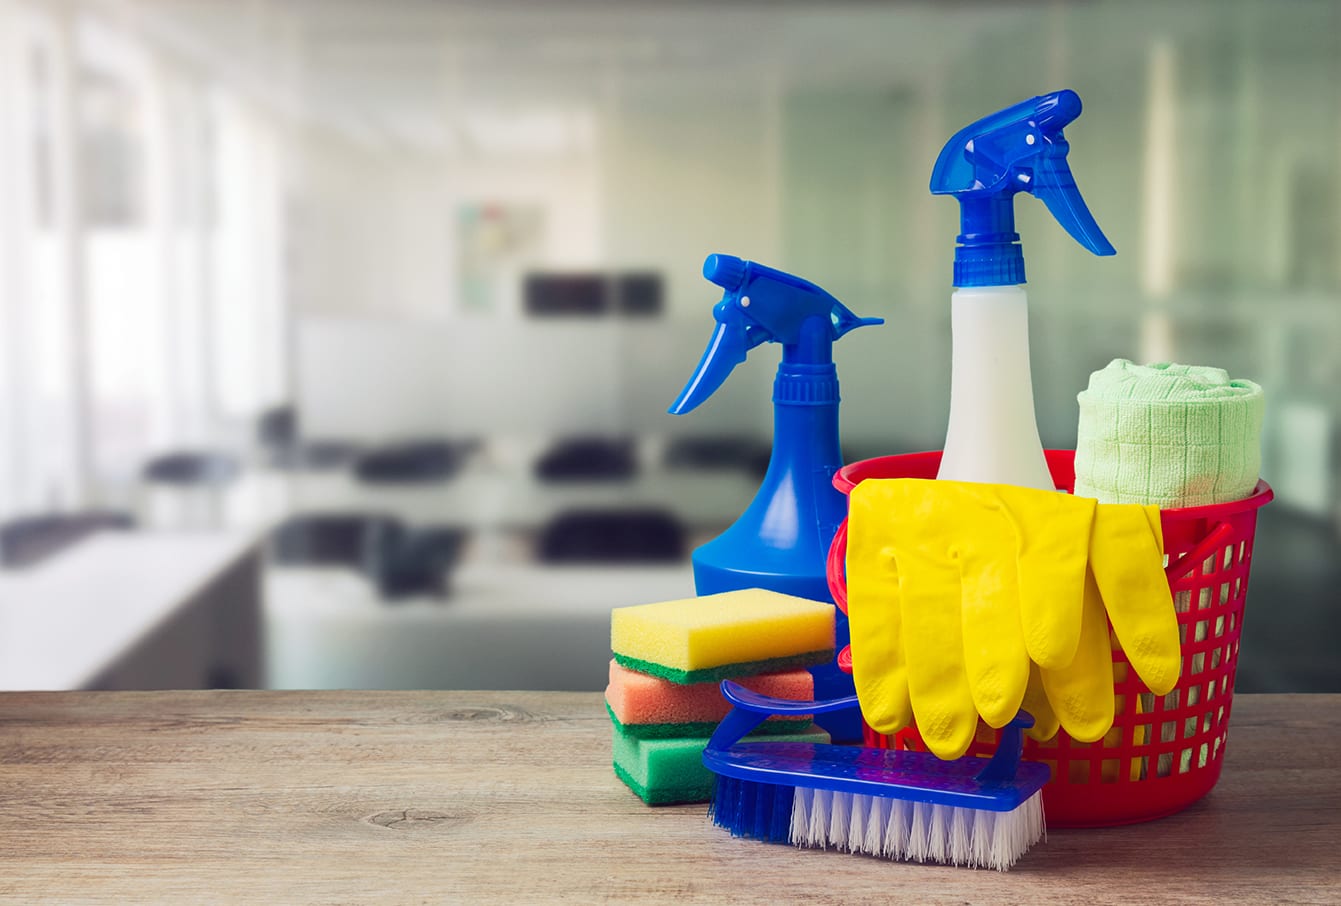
[1168,435]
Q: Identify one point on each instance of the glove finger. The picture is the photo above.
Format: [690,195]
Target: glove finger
[1082,692]
[1036,703]
[995,660]
[1054,531]
[879,670]
[933,644]
[1127,561]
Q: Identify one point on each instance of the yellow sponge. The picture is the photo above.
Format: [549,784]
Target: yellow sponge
[735,633]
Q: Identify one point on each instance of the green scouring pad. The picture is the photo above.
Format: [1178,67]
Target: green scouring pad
[671,771]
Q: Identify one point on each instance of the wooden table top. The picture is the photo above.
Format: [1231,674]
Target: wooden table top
[509,797]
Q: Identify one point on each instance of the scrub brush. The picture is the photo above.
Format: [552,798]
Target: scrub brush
[898,805]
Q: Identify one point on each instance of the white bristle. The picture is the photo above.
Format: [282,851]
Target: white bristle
[959,850]
[801,815]
[856,829]
[938,840]
[877,819]
[981,844]
[818,833]
[916,831]
[918,846]
[840,811]
[898,830]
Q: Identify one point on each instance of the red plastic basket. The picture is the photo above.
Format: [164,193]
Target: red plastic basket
[1164,752]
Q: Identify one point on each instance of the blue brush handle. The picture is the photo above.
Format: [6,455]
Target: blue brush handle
[1006,759]
[767,705]
[749,709]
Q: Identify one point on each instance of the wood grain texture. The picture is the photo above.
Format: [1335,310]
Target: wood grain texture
[409,797]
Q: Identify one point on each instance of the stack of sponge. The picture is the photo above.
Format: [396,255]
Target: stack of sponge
[669,659]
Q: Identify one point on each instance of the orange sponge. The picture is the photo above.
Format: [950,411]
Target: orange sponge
[651,707]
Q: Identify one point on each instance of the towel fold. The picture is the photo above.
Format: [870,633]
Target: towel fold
[1168,435]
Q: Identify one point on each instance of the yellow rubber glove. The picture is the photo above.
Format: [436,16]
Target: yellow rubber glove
[1126,556]
[875,618]
[954,588]
[1049,529]
[1081,693]
[1036,703]
[1126,586]
[936,572]
[903,589]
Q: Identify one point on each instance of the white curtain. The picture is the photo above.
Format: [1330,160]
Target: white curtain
[142,290]
[40,449]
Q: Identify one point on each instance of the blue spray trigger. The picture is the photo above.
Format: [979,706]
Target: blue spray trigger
[1056,187]
[762,304]
[730,342]
[1018,149]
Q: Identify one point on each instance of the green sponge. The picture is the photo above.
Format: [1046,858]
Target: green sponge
[723,636]
[671,771]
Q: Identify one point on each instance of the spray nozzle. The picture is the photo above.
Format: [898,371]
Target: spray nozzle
[761,305]
[1019,149]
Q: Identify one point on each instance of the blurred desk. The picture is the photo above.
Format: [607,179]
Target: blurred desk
[505,626]
[135,610]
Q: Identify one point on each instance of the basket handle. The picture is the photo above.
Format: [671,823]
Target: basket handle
[834,567]
[1188,561]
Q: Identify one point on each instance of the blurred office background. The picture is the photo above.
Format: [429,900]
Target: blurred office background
[338,336]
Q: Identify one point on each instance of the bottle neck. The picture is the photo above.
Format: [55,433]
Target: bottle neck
[806,447]
[988,251]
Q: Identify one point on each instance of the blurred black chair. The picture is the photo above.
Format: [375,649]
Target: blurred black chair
[726,452]
[413,461]
[28,540]
[588,459]
[277,428]
[194,468]
[612,536]
[405,563]
[399,561]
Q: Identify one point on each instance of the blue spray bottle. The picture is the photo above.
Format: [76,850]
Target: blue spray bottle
[782,539]
[993,434]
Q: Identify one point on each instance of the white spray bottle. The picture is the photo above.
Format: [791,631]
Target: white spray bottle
[993,434]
